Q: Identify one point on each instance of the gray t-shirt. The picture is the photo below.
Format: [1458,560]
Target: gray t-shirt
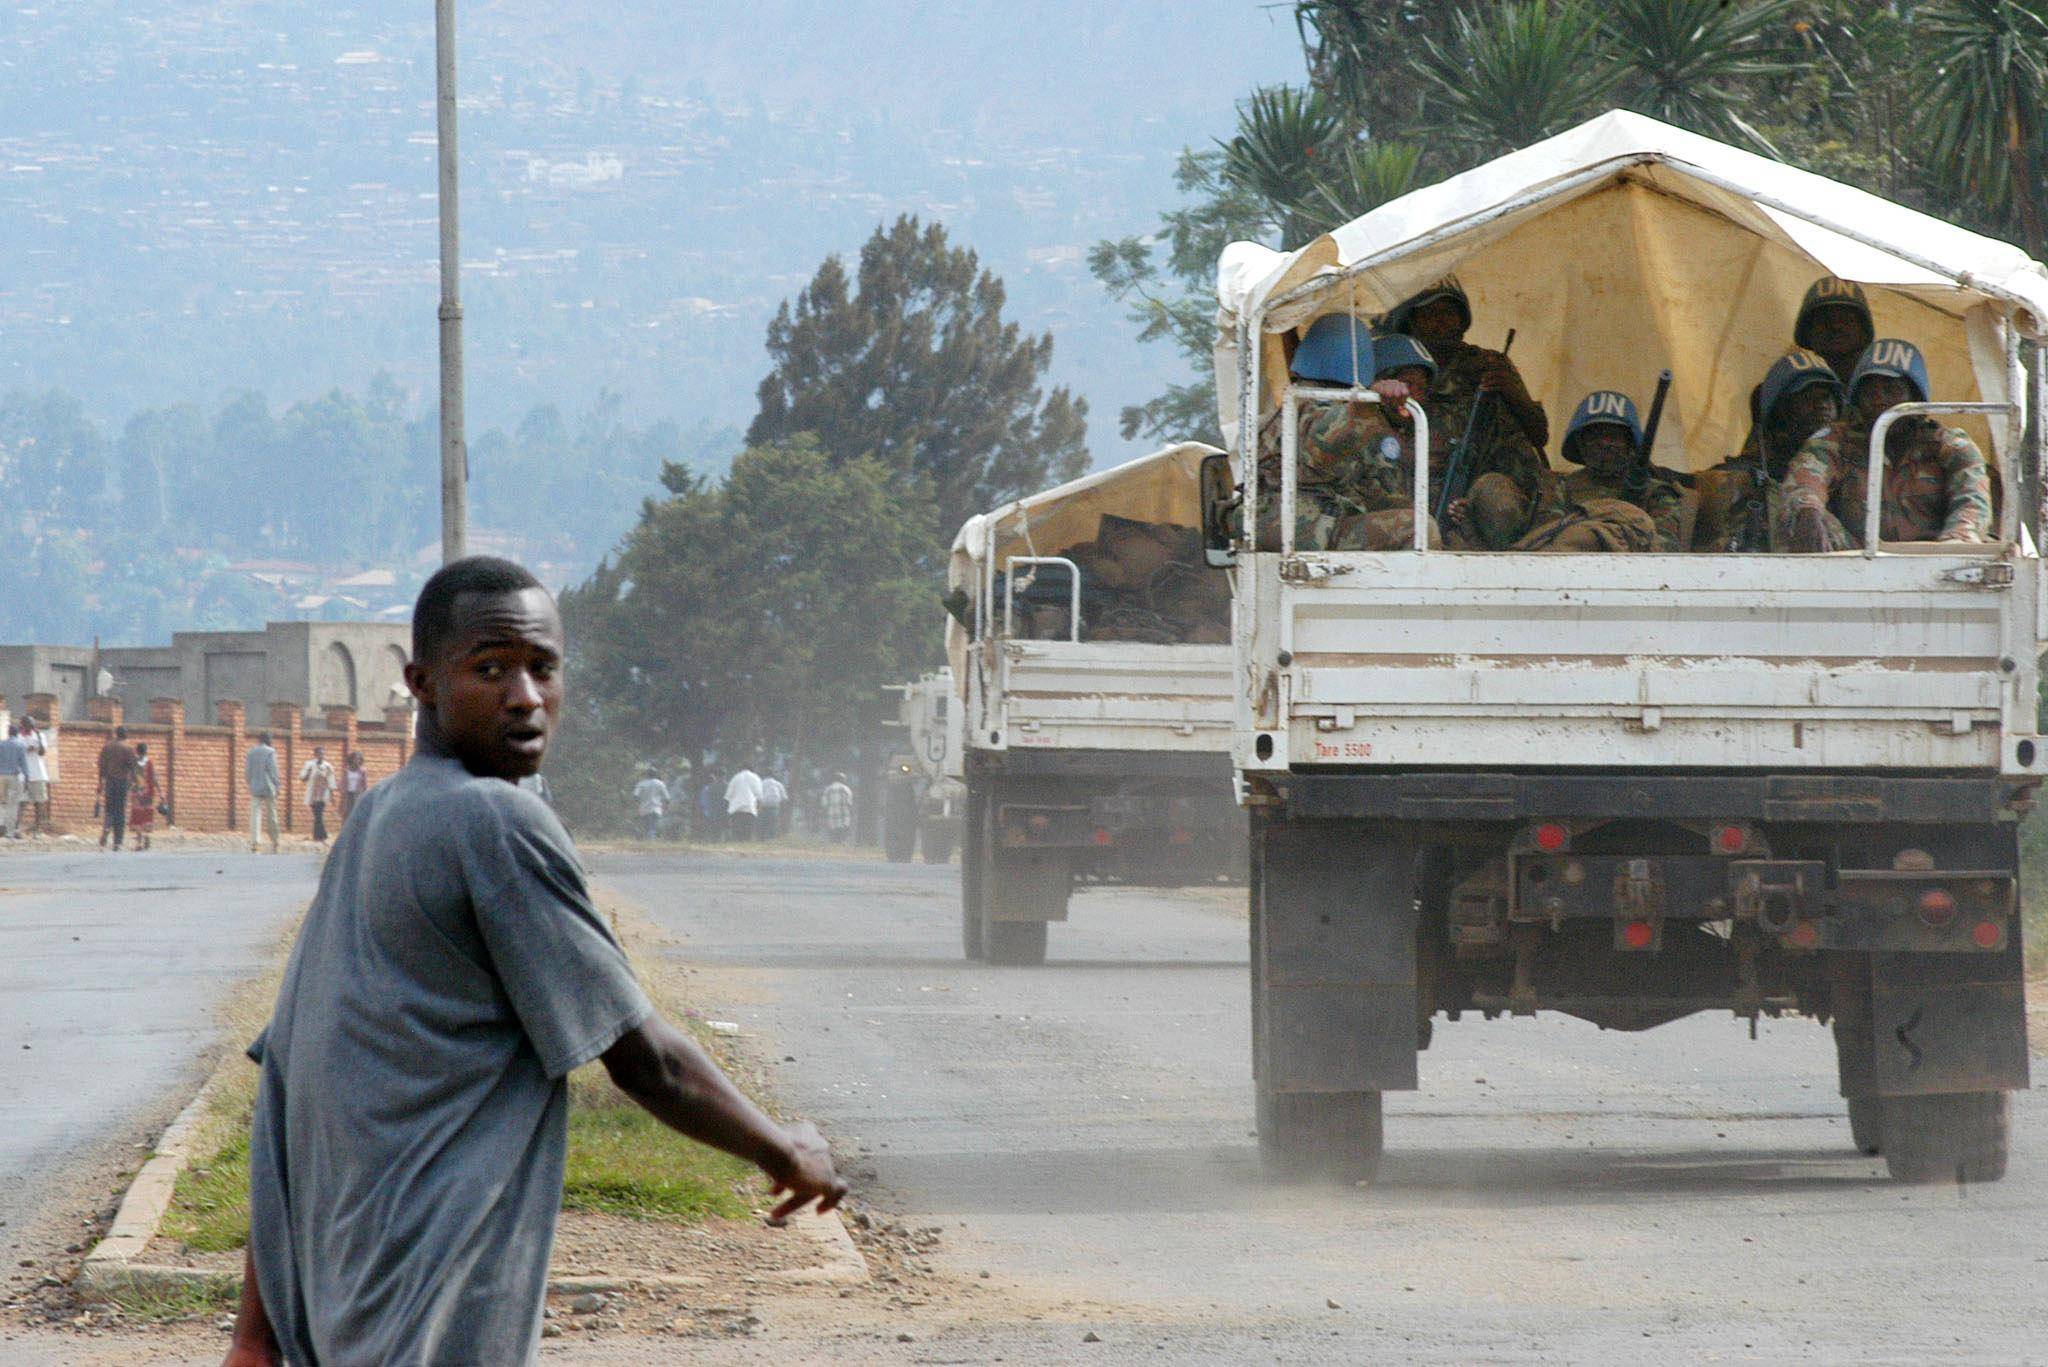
[406,1160]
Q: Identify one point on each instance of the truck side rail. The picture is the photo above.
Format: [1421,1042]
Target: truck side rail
[1010,592]
[1290,443]
[1873,492]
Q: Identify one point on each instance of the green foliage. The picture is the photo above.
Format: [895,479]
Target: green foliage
[1983,112]
[745,617]
[911,363]
[1690,62]
[1510,74]
[1284,135]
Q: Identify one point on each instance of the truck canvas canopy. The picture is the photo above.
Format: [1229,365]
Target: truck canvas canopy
[1626,245]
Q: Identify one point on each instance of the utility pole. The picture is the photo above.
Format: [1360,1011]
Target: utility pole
[454,448]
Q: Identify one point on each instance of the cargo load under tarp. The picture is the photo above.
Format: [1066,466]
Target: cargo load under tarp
[1130,531]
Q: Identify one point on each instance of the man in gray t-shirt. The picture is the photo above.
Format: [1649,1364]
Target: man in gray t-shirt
[407,1152]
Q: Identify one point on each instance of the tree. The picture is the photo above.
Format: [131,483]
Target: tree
[748,617]
[1693,62]
[158,447]
[1510,74]
[911,363]
[1984,110]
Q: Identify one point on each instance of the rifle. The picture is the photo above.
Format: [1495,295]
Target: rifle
[1478,427]
[1638,482]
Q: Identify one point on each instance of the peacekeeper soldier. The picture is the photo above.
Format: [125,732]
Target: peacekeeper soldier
[1741,500]
[1507,476]
[1349,489]
[1614,501]
[1937,486]
[1834,320]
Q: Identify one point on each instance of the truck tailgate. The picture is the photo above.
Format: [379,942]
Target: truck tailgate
[1112,695]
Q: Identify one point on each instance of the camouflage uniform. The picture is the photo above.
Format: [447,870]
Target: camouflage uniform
[1354,481]
[1937,486]
[1741,508]
[1500,510]
[1582,511]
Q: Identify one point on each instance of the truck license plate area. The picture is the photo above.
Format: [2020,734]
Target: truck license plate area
[1021,825]
[1561,887]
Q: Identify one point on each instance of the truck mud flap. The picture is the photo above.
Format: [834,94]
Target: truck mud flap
[1948,1023]
[1336,957]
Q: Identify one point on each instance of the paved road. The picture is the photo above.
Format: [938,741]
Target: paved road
[1552,1194]
[111,970]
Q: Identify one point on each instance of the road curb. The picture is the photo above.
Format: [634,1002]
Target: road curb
[112,1268]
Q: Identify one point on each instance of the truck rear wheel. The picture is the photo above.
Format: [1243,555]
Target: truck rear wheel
[1029,888]
[899,823]
[1321,1136]
[1866,1124]
[1015,944]
[1947,1136]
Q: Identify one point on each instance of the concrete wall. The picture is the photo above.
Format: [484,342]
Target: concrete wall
[312,664]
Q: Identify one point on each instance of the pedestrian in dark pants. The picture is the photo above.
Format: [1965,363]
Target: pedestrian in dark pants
[319,777]
[116,777]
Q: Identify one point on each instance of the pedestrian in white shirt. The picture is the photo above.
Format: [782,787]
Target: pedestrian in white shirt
[652,795]
[318,776]
[37,750]
[743,804]
[774,801]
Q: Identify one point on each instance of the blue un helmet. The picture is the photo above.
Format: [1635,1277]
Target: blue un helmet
[1609,406]
[1891,356]
[1394,351]
[1829,292]
[1797,369]
[1337,349]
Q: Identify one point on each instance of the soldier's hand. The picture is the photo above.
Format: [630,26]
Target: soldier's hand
[1459,514]
[1392,392]
[806,1173]
[1499,376]
[1810,530]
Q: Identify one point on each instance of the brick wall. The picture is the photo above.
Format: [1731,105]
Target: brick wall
[199,768]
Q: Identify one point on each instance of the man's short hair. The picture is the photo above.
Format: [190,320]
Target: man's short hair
[120,733]
[263,738]
[433,615]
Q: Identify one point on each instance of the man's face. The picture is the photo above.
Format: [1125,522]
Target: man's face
[1879,392]
[1809,410]
[1604,449]
[496,686]
[1836,331]
[1414,376]
[1440,322]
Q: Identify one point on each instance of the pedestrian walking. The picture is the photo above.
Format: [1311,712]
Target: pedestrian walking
[450,973]
[774,802]
[260,771]
[142,797]
[743,804]
[355,781]
[836,805]
[652,796]
[318,776]
[36,746]
[13,781]
[110,795]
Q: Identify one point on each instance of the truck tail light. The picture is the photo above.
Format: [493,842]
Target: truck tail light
[1101,836]
[1180,837]
[1637,934]
[1731,840]
[1551,837]
[1985,933]
[1938,907]
[1804,935]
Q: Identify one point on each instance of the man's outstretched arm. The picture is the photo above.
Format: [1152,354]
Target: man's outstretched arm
[254,1345]
[663,1069]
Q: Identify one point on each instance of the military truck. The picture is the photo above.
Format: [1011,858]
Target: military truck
[1091,651]
[1634,787]
[922,795]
